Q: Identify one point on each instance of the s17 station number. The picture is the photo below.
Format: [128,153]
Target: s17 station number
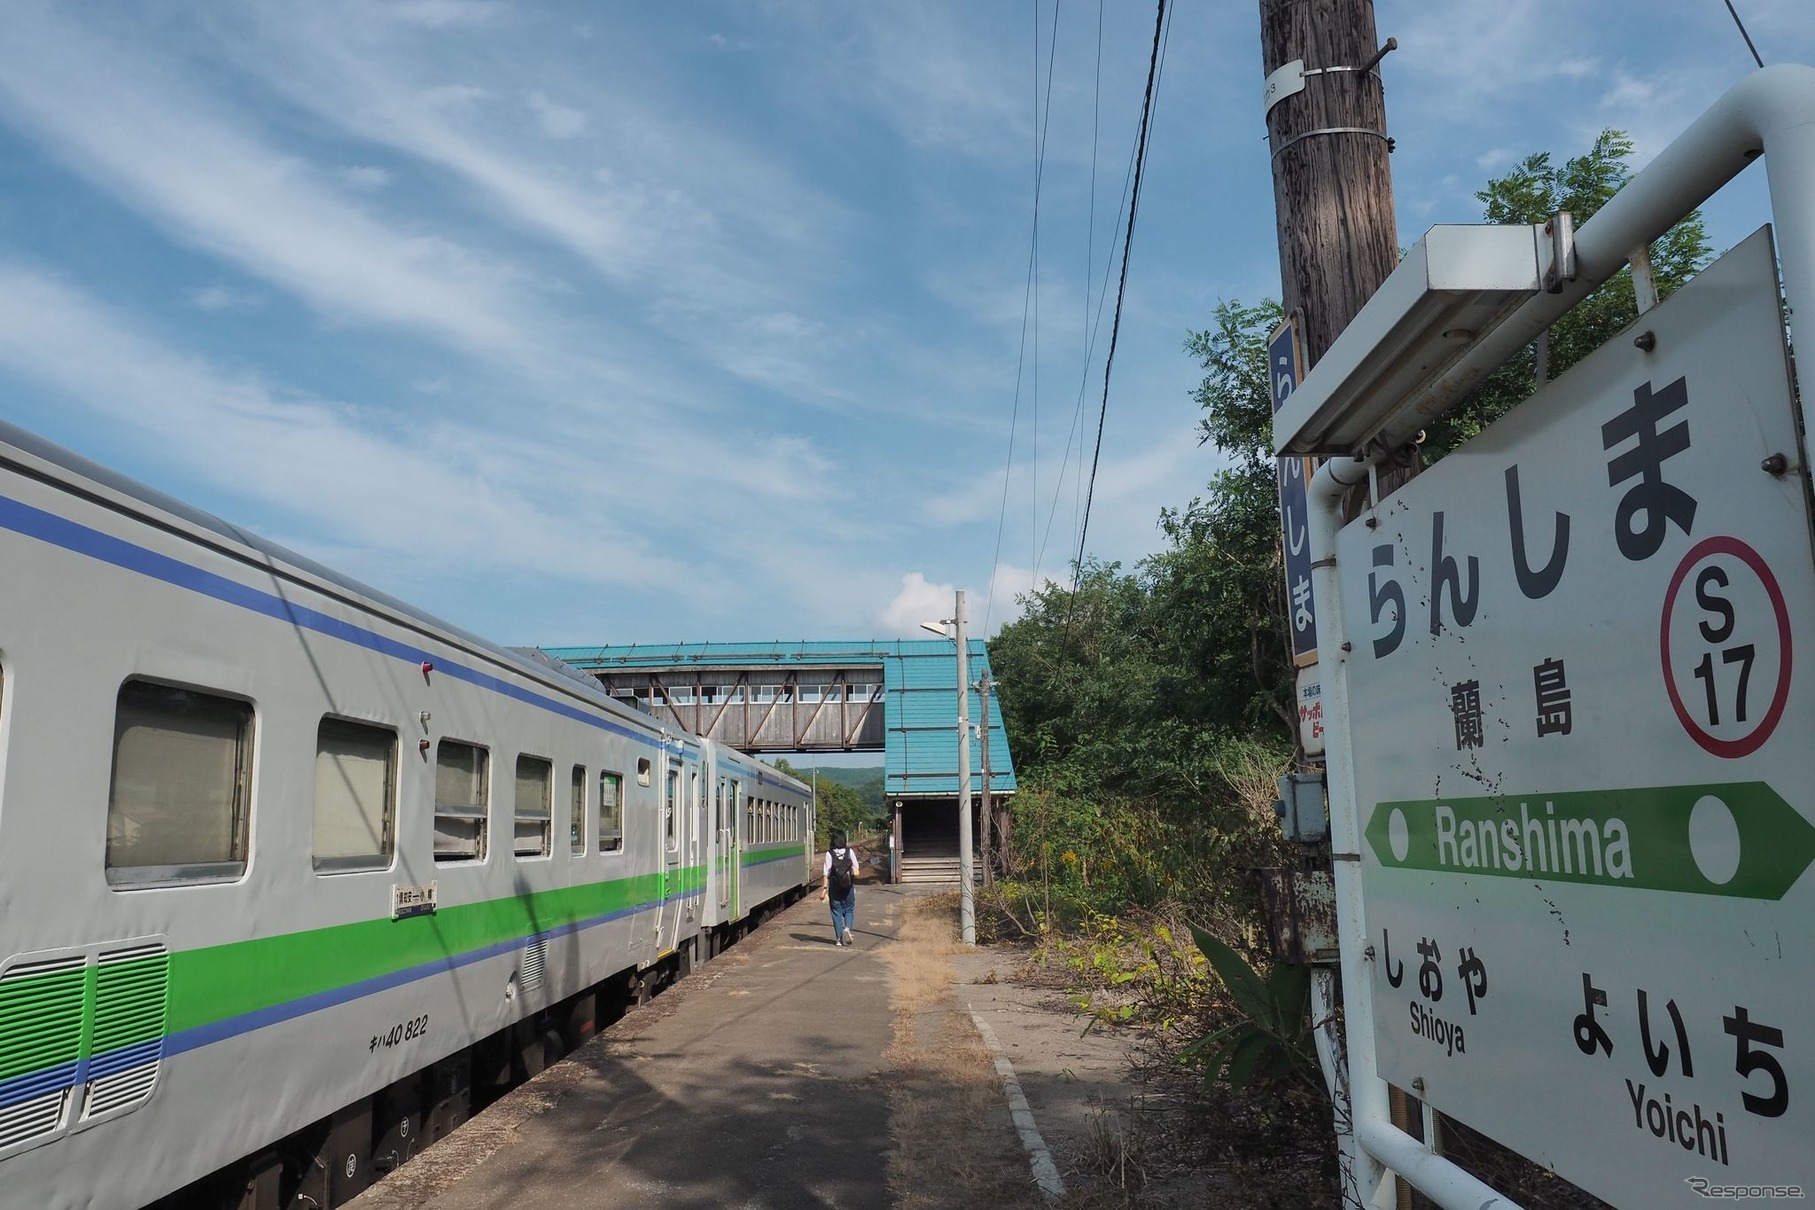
[1725,640]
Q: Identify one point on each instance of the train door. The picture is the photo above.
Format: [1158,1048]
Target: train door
[674,816]
[693,877]
[731,862]
[810,835]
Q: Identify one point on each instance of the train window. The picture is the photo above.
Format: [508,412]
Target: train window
[750,820]
[177,805]
[462,805]
[576,828]
[611,812]
[355,796]
[535,794]
[643,772]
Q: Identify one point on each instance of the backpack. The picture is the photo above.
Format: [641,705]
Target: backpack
[843,875]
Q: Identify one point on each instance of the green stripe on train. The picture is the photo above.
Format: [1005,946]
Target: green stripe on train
[41,1017]
[774,853]
[209,985]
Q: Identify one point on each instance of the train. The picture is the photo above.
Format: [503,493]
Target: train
[293,875]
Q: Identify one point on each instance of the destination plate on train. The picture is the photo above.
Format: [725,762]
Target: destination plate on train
[412,901]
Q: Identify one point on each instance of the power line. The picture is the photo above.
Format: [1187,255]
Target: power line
[1090,332]
[1095,326]
[1014,416]
[1029,307]
[1134,206]
[1045,126]
[1090,255]
[1744,34]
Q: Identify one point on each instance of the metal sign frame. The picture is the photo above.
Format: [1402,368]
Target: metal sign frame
[1771,112]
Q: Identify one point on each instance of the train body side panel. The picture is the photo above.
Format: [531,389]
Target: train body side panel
[290,992]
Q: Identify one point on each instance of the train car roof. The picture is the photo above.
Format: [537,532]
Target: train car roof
[74,464]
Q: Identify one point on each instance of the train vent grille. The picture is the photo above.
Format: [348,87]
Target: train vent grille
[131,997]
[535,956]
[40,1045]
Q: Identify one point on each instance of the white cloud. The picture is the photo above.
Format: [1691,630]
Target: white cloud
[939,89]
[158,147]
[437,491]
[224,298]
[675,209]
[438,14]
[557,121]
[917,601]
[1002,604]
[366,176]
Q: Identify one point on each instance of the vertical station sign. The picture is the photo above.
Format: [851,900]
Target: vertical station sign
[1286,369]
[1585,775]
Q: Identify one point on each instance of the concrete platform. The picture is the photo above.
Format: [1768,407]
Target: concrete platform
[759,1083]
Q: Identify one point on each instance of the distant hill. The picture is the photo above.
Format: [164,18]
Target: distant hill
[866,782]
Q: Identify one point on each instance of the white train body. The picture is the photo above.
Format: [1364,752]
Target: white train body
[215,930]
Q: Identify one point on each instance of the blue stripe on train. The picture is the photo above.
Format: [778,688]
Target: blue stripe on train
[72,536]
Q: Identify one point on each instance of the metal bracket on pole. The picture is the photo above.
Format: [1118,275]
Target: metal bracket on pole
[1562,268]
[1644,278]
[1288,79]
[1299,138]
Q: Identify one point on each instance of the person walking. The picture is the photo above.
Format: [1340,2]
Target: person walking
[840,890]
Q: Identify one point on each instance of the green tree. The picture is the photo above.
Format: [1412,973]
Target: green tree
[1236,394]
[841,808]
[1223,555]
[1534,190]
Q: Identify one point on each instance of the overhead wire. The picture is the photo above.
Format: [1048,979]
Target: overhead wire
[1045,128]
[1161,25]
[1742,33]
[1090,330]
[1029,308]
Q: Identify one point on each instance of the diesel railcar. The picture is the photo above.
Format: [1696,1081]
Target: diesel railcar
[291,872]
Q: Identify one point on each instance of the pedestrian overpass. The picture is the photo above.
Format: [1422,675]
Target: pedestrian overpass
[894,696]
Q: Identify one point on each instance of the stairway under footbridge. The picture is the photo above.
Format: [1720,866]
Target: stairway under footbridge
[895,696]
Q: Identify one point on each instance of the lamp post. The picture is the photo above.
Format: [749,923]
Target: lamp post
[967,907]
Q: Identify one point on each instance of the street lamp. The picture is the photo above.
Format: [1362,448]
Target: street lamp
[967,907]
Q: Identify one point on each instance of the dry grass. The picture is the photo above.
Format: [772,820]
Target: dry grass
[952,1145]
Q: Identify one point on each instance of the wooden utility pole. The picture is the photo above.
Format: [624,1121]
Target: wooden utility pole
[1332,186]
[1332,183]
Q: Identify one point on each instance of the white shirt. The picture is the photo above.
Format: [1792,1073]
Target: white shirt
[825,869]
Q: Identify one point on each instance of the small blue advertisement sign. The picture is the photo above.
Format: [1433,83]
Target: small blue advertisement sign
[1285,363]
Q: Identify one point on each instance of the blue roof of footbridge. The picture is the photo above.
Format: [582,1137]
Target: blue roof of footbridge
[920,697]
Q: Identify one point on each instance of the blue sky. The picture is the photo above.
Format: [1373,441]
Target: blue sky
[635,322]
